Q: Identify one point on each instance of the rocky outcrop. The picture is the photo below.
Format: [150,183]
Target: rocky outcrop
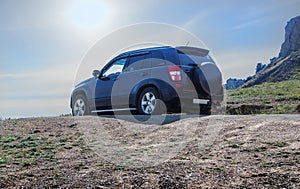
[287,65]
[292,37]
[287,68]
[233,83]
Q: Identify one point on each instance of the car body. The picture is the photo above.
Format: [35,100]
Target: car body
[152,80]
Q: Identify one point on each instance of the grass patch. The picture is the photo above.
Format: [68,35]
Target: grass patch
[26,149]
[275,98]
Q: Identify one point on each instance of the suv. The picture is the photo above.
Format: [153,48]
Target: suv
[152,81]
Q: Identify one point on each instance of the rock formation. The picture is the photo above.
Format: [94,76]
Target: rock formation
[284,67]
[292,37]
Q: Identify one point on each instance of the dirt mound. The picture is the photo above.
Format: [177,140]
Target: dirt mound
[247,152]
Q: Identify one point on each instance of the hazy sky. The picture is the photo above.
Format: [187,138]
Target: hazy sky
[43,42]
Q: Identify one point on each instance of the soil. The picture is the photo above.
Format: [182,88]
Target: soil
[177,151]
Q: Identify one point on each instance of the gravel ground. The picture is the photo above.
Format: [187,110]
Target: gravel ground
[174,151]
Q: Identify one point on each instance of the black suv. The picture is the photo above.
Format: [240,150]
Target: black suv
[152,81]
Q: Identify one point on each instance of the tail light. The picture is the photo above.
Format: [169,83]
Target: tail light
[175,73]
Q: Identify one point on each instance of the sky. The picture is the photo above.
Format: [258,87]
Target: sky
[42,42]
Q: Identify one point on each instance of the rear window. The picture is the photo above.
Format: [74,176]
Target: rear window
[187,58]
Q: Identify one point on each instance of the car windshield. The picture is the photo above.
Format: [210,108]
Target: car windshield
[115,68]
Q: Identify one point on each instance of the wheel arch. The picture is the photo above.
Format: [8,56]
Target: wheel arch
[76,93]
[136,91]
[163,88]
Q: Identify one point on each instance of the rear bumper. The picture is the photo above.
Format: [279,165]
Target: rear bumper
[182,100]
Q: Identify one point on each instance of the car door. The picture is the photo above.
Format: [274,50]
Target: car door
[106,88]
[136,70]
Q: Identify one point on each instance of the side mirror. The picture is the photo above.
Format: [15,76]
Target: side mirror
[96,73]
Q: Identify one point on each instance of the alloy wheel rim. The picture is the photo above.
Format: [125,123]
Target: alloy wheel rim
[79,107]
[148,103]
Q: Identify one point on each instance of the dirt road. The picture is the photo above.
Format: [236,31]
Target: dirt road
[255,151]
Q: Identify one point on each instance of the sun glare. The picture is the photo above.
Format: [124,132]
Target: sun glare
[87,14]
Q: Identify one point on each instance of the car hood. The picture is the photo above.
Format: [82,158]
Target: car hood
[85,81]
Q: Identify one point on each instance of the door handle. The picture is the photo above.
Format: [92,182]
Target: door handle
[144,73]
[187,71]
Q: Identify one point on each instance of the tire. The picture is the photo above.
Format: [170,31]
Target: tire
[149,102]
[80,106]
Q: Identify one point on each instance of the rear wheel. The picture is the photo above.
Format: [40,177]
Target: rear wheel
[80,106]
[149,102]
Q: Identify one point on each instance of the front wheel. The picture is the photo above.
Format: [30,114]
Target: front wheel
[80,106]
[149,102]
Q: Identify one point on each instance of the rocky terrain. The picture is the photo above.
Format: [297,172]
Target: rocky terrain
[286,66]
[257,151]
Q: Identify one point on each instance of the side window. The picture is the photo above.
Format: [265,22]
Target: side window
[138,62]
[134,63]
[115,68]
[157,59]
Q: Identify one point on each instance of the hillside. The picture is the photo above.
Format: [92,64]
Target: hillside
[275,88]
[267,98]
[286,66]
